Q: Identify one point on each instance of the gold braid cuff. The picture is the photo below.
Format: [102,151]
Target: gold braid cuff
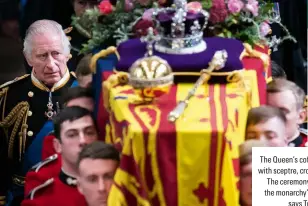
[103,53]
[2,200]
[18,117]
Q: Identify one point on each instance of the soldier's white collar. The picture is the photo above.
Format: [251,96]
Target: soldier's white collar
[56,86]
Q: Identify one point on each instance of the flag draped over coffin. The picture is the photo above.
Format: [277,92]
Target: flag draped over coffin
[191,162]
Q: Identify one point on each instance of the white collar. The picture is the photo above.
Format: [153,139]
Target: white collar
[56,86]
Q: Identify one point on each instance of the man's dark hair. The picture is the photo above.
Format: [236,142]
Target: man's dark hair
[98,150]
[277,71]
[83,67]
[264,113]
[76,92]
[69,114]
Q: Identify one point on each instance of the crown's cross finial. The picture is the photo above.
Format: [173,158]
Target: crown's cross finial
[180,4]
[150,39]
[178,26]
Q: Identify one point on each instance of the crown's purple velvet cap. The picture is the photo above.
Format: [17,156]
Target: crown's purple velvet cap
[165,20]
[134,49]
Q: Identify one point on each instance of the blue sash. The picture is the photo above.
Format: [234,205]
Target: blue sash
[32,156]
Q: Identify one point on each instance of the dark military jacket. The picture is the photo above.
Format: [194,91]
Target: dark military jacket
[23,125]
[301,139]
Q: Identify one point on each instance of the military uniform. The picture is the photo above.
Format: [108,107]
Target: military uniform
[41,172]
[301,140]
[26,109]
[48,149]
[57,191]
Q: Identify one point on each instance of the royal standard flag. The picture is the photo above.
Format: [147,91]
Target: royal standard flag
[192,162]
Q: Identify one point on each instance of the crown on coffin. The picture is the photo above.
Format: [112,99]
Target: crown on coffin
[180,30]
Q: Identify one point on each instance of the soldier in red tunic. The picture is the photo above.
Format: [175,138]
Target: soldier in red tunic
[74,127]
[51,165]
[289,98]
[43,171]
[97,164]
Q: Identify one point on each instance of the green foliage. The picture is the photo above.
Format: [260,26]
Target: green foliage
[106,30]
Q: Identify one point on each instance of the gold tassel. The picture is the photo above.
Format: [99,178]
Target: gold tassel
[103,53]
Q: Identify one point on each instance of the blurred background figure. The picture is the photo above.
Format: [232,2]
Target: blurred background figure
[277,71]
[83,72]
[11,56]
[293,56]
[246,170]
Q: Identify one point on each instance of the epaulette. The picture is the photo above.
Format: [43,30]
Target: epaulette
[73,74]
[39,165]
[303,131]
[67,31]
[34,190]
[51,133]
[13,81]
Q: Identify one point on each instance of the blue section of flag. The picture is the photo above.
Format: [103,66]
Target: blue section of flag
[106,64]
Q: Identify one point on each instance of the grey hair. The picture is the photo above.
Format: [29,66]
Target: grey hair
[45,27]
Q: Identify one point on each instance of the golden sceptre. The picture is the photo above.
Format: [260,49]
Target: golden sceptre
[218,61]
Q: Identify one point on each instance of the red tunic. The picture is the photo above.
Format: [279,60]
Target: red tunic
[303,134]
[43,171]
[57,191]
[301,140]
[48,148]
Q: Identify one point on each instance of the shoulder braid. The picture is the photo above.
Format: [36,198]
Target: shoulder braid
[34,190]
[46,161]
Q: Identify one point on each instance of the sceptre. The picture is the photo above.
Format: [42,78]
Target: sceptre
[218,61]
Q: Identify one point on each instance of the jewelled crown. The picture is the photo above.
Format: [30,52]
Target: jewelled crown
[180,29]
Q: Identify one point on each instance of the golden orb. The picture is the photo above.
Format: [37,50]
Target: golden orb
[151,77]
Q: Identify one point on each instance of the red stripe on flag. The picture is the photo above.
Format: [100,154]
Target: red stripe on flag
[145,146]
[166,148]
[129,197]
[225,121]
[213,153]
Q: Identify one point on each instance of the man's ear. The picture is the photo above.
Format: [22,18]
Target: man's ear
[57,145]
[302,115]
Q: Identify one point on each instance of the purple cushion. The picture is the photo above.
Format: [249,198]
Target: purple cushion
[134,49]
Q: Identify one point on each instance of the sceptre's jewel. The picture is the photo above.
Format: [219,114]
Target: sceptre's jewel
[218,62]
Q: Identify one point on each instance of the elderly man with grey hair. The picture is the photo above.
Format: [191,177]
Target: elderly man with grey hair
[28,104]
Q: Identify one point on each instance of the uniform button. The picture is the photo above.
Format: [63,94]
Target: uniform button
[30,133]
[29,113]
[291,144]
[30,94]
